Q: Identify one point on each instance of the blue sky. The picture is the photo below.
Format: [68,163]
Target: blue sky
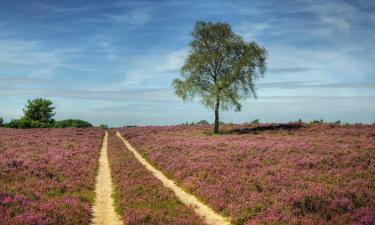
[113,61]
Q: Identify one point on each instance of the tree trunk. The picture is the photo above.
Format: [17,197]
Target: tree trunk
[216,125]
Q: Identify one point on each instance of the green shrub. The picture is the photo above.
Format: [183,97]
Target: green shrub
[38,124]
[338,122]
[24,123]
[256,121]
[12,124]
[202,122]
[1,121]
[71,123]
[317,121]
[104,126]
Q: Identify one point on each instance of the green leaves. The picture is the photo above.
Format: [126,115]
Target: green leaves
[221,68]
[40,110]
[220,65]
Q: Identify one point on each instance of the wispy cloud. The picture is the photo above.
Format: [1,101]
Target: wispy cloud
[143,70]
[290,70]
[173,61]
[148,95]
[305,84]
[6,81]
[133,17]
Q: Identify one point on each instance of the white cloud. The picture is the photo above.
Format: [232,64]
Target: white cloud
[250,31]
[339,23]
[134,17]
[24,53]
[173,60]
[27,56]
[140,70]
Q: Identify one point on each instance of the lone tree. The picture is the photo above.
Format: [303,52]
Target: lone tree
[39,110]
[221,68]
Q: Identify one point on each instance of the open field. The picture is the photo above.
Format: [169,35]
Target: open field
[254,174]
[48,175]
[309,174]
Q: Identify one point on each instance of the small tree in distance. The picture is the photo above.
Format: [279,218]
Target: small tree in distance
[40,111]
[1,121]
[221,68]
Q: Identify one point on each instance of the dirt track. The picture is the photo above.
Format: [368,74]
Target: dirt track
[103,210]
[210,216]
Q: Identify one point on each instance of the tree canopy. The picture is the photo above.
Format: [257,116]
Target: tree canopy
[40,110]
[221,68]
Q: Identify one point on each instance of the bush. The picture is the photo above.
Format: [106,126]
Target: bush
[1,121]
[19,123]
[256,121]
[317,121]
[338,122]
[38,124]
[202,122]
[104,126]
[24,123]
[71,123]
[12,124]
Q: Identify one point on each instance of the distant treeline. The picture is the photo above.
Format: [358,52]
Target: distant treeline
[257,122]
[38,113]
[24,123]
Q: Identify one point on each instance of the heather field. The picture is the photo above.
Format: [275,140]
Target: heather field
[269,174]
[48,175]
[140,197]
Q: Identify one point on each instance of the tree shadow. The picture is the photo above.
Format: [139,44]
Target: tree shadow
[255,129]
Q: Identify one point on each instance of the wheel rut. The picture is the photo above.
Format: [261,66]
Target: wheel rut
[208,214]
[103,210]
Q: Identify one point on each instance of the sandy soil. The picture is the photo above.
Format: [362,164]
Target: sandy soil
[103,210]
[209,215]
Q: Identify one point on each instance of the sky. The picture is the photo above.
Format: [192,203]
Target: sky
[112,62]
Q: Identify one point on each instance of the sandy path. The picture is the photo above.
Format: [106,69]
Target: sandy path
[103,210]
[201,209]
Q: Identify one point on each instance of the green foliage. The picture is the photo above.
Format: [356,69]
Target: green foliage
[337,122]
[317,121]
[256,121]
[68,145]
[40,110]
[12,124]
[1,121]
[38,113]
[24,123]
[202,122]
[38,124]
[72,123]
[221,68]
[104,126]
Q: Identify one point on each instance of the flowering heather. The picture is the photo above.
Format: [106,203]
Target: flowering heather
[290,174]
[140,197]
[47,176]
